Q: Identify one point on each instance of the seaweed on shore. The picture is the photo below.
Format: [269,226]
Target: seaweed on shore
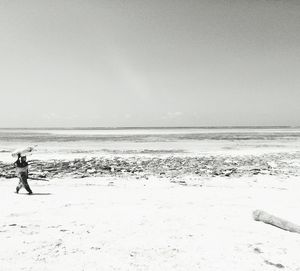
[143,167]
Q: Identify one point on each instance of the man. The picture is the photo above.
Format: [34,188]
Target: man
[22,172]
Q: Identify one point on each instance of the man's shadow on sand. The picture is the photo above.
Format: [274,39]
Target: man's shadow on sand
[36,194]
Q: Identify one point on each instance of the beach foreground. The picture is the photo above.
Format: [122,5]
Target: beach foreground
[113,223]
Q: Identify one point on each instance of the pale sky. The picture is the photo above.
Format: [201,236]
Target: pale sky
[149,63]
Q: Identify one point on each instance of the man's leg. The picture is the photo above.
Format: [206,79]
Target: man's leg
[25,183]
[20,185]
[27,187]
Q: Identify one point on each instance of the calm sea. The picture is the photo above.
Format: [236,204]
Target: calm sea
[78,143]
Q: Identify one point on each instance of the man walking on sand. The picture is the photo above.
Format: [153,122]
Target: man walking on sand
[22,172]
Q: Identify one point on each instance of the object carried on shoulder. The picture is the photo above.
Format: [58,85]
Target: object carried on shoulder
[23,151]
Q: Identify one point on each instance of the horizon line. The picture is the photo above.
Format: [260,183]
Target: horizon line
[152,127]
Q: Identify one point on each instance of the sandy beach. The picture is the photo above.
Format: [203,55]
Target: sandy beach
[153,209]
[129,224]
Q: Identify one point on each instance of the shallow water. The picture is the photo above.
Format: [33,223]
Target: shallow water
[76,143]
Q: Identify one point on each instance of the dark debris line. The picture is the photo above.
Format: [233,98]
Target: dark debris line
[143,167]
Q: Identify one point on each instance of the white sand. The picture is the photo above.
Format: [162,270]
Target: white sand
[122,224]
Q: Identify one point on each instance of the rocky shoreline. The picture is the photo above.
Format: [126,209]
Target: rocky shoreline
[142,167]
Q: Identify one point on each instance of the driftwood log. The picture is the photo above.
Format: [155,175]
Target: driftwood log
[262,216]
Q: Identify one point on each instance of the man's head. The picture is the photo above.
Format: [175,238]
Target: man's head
[23,158]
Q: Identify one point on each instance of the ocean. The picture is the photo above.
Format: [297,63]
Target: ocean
[96,142]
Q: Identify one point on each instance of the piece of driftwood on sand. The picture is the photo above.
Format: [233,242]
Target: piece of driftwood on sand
[262,216]
[38,179]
